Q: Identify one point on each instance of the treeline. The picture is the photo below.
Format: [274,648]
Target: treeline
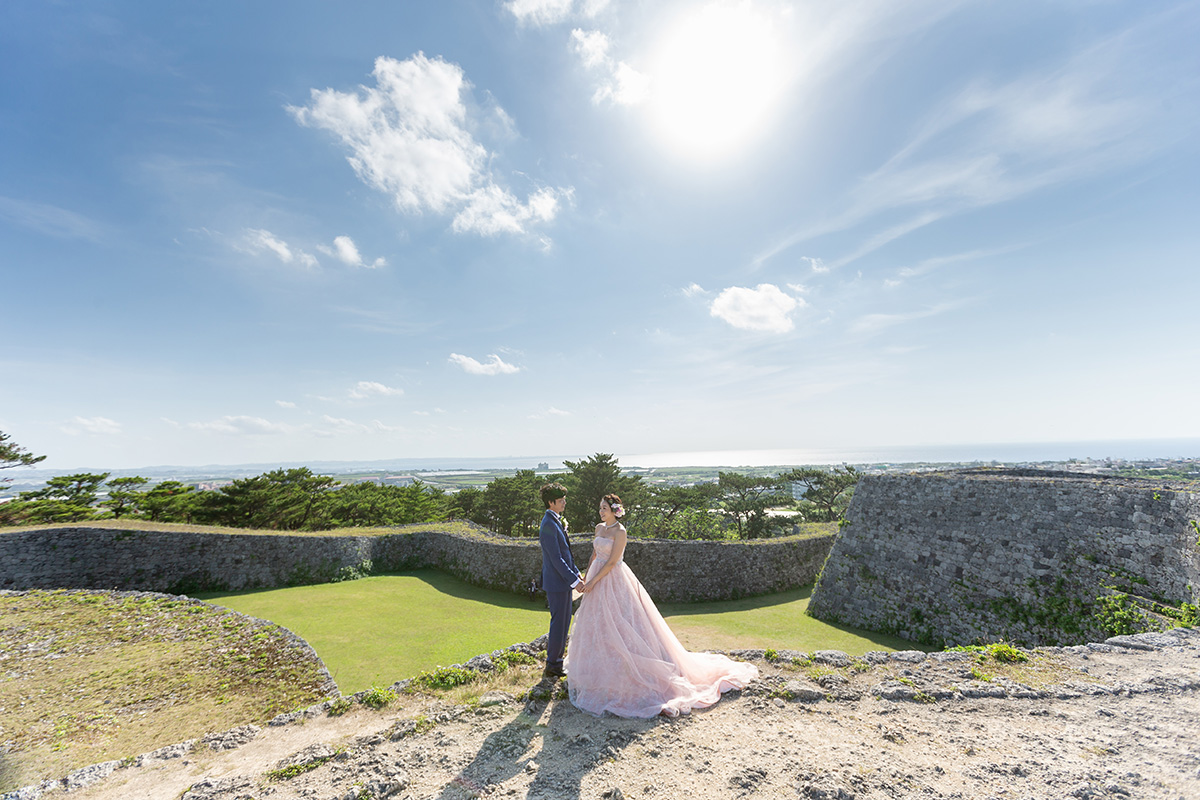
[735,506]
[283,499]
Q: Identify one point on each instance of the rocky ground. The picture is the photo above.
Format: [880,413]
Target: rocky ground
[1114,720]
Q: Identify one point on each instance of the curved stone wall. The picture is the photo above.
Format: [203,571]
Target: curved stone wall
[1021,555]
[79,557]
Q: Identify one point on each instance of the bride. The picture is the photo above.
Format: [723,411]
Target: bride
[623,659]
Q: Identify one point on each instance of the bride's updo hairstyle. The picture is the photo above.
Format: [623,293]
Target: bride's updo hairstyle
[614,503]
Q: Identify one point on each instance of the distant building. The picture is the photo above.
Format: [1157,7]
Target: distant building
[397,480]
[543,466]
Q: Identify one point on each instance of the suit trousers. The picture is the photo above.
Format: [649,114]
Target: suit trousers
[560,623]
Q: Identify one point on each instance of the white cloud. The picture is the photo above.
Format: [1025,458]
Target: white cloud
[285,404]
[592,47]
[816,264]
[257,241]
[96,425]
[365,389]
[620,83]
[242,425]
[540,12]
[346,251]
[763,308]
[693,289]
[491,210]
[625,87]
[549,12]
[495,366]
[410,137]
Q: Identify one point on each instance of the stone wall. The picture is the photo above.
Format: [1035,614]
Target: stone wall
[182,563]
[1021,555]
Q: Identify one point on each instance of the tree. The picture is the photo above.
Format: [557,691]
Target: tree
[13,455]
[591,479]
[122,497]
[64,498]
[512,505]
[169,501]
[826,493]
[283,499]
[746,498]
[369,504]
[467,503]
[670,500]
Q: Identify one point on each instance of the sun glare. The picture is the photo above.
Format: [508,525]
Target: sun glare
[715,80]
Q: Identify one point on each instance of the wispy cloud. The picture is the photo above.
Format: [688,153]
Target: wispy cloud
[410,137]
[928,265]
[95,425]
[344,426]
[764,308]
[365,389]
[49,220]
[345,251]
[990,142]
[285,404]
[692,290]
[257,241]
[549,413]
[238,425]
[874,323]
[494,366]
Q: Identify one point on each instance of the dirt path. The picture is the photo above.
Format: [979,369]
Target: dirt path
[1096,721]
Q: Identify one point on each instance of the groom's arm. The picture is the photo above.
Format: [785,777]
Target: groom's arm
[552,547]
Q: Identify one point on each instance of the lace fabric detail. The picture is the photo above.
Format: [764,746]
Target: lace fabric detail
[624,660]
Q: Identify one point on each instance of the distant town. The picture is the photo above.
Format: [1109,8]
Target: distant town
[209,478]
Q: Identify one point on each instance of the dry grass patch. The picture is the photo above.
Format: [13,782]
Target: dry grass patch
[87,677]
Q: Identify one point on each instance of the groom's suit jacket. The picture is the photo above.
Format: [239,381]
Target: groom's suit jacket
[558,568]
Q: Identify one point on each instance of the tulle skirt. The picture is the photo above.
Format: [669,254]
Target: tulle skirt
[623,659]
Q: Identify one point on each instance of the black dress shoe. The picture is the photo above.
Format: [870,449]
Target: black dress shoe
[554,672]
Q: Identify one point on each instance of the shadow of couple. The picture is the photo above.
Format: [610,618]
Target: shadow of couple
[572,744]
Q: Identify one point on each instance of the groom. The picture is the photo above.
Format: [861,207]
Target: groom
[559,575]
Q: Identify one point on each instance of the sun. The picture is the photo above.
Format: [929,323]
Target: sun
[717,76]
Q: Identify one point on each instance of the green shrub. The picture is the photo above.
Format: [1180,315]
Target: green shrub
[513,658]
[1118,615]
[1005,653]
[377,697]
[442,678]
[340,706]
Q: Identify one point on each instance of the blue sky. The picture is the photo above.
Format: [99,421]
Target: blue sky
[290,231]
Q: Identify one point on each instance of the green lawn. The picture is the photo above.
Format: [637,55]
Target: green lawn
[380,629]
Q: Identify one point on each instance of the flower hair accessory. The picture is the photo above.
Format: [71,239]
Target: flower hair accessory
[617,510]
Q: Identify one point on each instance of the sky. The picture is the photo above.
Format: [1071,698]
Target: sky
[286,231]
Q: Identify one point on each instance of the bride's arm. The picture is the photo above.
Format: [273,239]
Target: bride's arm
[617,551]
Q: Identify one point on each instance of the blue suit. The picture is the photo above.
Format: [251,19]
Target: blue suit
[558,575]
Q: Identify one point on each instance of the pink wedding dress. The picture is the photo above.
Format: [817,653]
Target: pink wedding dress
[624,660]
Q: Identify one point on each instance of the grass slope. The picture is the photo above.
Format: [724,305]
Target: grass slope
[87,677]
[380,629]
[377,630]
